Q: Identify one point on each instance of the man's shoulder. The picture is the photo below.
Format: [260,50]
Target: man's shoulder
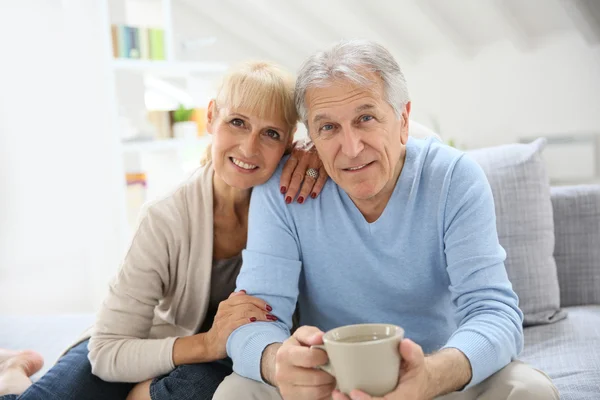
[434,157]
[273,182]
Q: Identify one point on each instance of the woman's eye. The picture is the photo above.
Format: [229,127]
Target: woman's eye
[273,134]
[327,127]
[237,122]
[366,118]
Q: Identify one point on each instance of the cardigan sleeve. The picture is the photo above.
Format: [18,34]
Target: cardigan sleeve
[119,348]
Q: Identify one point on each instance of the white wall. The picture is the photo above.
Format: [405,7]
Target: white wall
[60,185]
[503,93]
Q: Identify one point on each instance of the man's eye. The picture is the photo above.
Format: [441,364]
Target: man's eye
[237,122]
[273,134]
[327,127]
[366,118]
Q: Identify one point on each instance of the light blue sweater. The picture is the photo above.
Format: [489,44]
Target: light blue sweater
[431,263]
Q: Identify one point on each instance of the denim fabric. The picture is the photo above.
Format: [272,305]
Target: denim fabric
[191,382]
[72,379]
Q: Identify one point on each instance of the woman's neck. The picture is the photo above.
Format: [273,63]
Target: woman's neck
[230,201]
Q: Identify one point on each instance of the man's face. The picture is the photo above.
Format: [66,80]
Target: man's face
[358,136]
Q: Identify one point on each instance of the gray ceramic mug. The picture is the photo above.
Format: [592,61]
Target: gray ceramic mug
[364,357]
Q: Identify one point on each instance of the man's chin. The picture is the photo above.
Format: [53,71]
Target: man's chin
[367,192]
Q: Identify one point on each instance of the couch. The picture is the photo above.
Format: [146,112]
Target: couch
[569,350]
[552,239]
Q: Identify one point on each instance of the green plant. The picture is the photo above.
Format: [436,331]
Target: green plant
[182,114]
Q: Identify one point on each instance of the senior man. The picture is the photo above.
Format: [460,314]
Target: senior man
[404,233]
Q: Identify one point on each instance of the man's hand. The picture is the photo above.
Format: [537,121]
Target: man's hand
[414,377]
[296,375]
[423,378]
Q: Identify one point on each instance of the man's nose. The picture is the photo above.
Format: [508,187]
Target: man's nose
[352,143]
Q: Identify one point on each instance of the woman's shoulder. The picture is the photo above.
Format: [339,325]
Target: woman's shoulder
[191,196]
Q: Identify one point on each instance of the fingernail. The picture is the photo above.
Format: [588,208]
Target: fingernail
[243,291]
[288,200]
[252,319]
[271,317]
[300,200]
[269,308]
[283,189]
[313,195]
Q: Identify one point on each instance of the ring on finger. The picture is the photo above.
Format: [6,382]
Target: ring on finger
[312,172]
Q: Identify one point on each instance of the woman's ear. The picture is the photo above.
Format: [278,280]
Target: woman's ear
[211,115]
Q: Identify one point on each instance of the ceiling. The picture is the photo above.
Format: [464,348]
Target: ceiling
[288,31]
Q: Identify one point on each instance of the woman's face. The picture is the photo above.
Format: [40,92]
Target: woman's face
[246,149]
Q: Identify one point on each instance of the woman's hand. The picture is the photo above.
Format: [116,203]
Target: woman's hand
[304,156]
[239,309]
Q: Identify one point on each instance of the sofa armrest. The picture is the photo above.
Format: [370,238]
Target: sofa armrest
[577,243]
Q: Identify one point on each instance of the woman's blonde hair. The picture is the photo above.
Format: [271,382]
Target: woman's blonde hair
[260,88]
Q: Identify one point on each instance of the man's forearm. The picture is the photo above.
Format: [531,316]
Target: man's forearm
[267,363]
[449,370]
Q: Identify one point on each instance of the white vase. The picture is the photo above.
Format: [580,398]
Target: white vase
[185,130]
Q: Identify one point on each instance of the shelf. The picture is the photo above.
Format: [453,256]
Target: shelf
[167,68]
[163,144]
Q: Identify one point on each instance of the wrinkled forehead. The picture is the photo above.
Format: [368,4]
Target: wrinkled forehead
[344,94]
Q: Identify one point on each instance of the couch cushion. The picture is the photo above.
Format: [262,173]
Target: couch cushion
[569,352]
[577,249]
[525,225]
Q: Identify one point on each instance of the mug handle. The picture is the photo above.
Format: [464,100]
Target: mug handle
[325,367]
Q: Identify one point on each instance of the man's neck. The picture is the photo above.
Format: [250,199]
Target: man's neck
[373,207]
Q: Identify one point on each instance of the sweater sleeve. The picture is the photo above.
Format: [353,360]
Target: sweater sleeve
[270,271]
[490,332]
[119,349]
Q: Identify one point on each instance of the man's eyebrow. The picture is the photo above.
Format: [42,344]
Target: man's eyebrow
[364,107]
[320,117]
[357,110]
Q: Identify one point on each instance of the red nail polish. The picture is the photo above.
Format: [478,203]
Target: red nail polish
[313,195]
[252,319]
[271,317]
[288,200]
[269,308]
[300,200]
[283,189]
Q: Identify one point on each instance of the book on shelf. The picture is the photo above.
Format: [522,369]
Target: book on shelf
[138,42]
[114,31]
[144,43]
[133,42]
[122,40]
[157,44]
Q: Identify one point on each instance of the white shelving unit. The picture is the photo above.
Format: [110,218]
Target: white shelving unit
[168,68]
[162,145]
[164,162]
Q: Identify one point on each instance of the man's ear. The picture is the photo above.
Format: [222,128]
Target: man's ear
[405,121]
[211,115]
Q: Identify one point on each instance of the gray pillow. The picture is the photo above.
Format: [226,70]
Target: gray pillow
[521,190]
[577,250]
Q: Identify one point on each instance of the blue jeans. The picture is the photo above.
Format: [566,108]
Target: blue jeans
[72,379]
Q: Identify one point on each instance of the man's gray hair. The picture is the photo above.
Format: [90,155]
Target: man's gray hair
[350,59]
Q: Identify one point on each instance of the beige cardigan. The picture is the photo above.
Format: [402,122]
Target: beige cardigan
[162,289]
